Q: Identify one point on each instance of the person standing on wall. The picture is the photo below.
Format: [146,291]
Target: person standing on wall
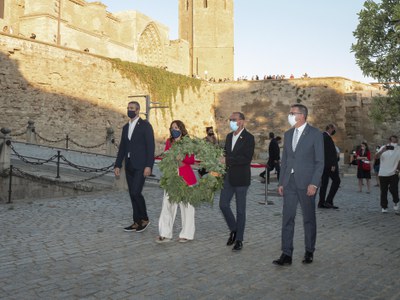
[331,170]
[239,150]
[301,171]
[137,149]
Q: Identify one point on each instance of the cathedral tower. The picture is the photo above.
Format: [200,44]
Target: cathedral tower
[208,27]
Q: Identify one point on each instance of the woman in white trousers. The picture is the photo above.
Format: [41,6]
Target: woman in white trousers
[168,211]
[167,218]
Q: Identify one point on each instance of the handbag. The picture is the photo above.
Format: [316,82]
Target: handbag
[366,166]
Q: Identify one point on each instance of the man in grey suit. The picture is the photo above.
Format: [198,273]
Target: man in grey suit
[301,171]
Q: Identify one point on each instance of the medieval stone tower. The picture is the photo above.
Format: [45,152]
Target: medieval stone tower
[208,27]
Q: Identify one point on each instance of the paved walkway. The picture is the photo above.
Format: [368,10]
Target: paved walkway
[75,248]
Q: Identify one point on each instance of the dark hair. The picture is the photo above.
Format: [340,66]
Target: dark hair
[278,138]
[208,128]
[366,146]
[393,137]
[181,127]
[330,126]
[136,104]
[241,115]
[302,108]
[271,135]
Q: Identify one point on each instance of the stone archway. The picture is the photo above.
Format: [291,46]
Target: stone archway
[150,49]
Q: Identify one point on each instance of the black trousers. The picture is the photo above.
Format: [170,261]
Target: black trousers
[324,185]
[135,180]
[390,183]
[270,167]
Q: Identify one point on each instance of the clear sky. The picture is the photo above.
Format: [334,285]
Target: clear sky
[279,36]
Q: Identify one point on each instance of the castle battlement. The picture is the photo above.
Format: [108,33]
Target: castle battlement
[130,35]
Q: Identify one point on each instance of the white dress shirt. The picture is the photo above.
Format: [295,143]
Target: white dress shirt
[235,138]
[132,125]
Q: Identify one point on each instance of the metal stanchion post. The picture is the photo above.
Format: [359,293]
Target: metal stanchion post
[10,185]
[266,192]
[66,142]
[58,164]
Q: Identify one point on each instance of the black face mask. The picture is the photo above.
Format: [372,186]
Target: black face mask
[210,133]
[333,132]
[132,114]
[175,133]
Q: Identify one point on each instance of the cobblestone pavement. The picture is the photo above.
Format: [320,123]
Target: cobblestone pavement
[75,248]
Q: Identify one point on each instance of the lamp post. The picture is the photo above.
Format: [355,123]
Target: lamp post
[59,24]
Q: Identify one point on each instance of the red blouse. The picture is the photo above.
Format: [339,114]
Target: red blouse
[189,160]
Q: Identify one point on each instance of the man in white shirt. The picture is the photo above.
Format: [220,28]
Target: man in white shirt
[389,156]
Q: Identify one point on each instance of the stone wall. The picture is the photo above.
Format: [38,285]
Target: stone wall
[330,100]
[66,91]
[80,94]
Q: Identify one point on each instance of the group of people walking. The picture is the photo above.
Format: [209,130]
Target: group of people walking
[309,159]
[137,150]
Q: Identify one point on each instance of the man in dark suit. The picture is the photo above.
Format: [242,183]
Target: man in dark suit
[301,171]
[239,149]
[137,149]
[274,157]
[331,170]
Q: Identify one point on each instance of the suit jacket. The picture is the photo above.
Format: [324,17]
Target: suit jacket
[140,147]
[330,152]
[238,160]
[273,151]
[307,160]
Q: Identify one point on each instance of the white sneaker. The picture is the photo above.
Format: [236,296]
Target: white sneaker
[384,210]
[396,206]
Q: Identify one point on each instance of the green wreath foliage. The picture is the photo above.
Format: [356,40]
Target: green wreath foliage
[209,156]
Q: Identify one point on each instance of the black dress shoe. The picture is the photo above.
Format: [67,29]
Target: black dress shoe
[308,258]
[321,205]
[238,246]
[232,238]
[283,260]
[330,205]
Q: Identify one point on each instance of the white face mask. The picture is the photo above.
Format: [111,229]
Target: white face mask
[292,119]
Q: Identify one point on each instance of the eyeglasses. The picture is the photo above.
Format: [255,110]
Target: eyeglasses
[295,113]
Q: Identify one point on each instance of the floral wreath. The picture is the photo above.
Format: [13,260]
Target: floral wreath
[209,156]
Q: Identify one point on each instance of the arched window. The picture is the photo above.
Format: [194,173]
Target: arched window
[1,9]
[205,3]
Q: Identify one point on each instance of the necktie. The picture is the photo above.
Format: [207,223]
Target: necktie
[295,139]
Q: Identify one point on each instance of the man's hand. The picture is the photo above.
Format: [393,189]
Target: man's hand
[280,190]
[117,172]
[147,171]
[333,168]
[311,190]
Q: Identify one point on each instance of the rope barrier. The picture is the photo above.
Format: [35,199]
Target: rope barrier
[19,134]
[34,177]
[21,157]
[50,141]
[86,169]
[88,147]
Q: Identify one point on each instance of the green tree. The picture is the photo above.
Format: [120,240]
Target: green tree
[377,53]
